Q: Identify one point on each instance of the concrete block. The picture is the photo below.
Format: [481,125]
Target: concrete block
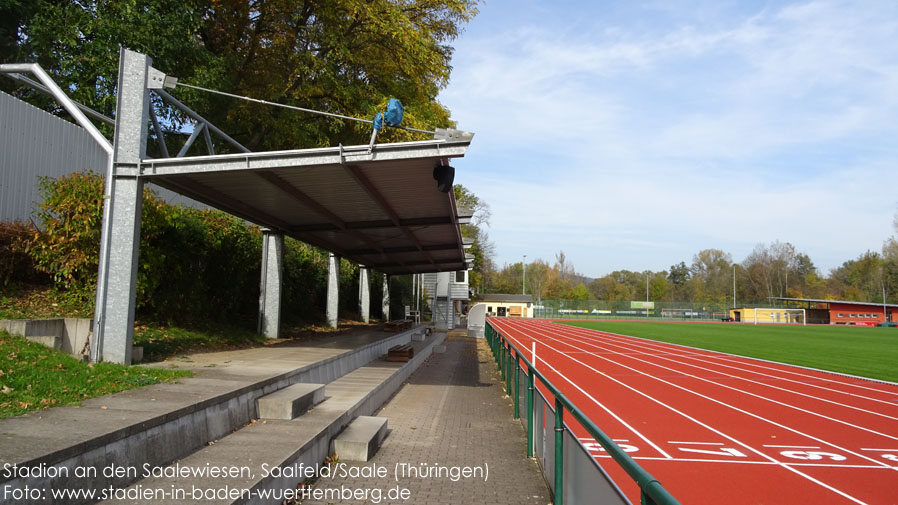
[418,336]
[136,354]
[439,349]
[76,334]
[290,402]
[51,341]
[40,327]
[218,422]
[361,439]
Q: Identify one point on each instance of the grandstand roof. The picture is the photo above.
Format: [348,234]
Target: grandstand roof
[380,208]
[495,297]
[820,300]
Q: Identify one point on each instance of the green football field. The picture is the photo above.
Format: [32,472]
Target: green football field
[867,352]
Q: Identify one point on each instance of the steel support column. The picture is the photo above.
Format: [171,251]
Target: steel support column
[385,305]
[271,283]
[132,117]
[333,290]
[364,295]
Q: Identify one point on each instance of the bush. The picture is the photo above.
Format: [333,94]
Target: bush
[194,265]
[16,265]
[68,248]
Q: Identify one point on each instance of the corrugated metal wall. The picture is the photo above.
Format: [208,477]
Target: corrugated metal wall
[34,143]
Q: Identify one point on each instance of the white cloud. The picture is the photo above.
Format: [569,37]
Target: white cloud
[622,146]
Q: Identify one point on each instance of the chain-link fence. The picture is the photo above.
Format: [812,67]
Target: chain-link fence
[600,309]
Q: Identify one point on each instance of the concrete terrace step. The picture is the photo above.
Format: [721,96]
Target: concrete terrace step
[158,424]
[267,456]
[290,402]
[360,440]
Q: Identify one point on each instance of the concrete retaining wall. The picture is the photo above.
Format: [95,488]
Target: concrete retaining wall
[171,435]
[69,335]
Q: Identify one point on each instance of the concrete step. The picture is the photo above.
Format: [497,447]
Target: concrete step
[159,424]
[361,439]
[270,456]
[290,402]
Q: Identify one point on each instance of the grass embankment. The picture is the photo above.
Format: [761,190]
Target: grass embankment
[34,377]
[867,352]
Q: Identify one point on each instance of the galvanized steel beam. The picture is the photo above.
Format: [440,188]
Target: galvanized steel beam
[132,114]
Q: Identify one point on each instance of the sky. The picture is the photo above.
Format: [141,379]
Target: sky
[633,134]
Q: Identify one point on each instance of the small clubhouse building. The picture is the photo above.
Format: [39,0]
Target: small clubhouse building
[843,311]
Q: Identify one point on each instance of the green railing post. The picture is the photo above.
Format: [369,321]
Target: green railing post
[559,452]
[651,491]
[517,386]
[508,365]
[530,416]
[502,358]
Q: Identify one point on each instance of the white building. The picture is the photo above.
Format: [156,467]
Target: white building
[446,294]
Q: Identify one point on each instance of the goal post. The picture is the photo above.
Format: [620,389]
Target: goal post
[778,315]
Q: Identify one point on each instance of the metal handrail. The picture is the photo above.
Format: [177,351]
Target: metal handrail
[652,492]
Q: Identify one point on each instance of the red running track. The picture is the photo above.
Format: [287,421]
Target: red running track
[716,428]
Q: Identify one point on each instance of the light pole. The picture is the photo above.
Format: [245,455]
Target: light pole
[646,294]
[524,280]
[734,285]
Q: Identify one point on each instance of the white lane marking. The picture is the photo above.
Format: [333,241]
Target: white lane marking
[792,446]
[659,347]
[603,407]
[748,361]
[709,381]
[880,450]
[696,443]
[744,462]
[781,464]
[724,451]
[602,357]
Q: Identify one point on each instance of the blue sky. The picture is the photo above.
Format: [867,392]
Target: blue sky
[631,135]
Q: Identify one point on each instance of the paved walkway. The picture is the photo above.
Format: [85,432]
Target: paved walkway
[451,416]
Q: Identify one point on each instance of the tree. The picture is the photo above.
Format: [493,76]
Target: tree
[343,56]
[539,273]
[858,280]
[711,274]
[482,249]
[579,292]
[78,43]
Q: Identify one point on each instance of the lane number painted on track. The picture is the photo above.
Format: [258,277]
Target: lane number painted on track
[593,446]
[723,451]
[813,455]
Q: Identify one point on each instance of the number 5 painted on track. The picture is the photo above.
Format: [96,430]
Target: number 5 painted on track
[597,447]
[813,456]
[890,457]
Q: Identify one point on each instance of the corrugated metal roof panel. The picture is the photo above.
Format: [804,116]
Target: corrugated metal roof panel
[381,209]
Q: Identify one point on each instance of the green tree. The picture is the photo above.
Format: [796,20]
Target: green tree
[345,56]
[78,42]
[711,275]
[482,249]
[859,279]
[579,292]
